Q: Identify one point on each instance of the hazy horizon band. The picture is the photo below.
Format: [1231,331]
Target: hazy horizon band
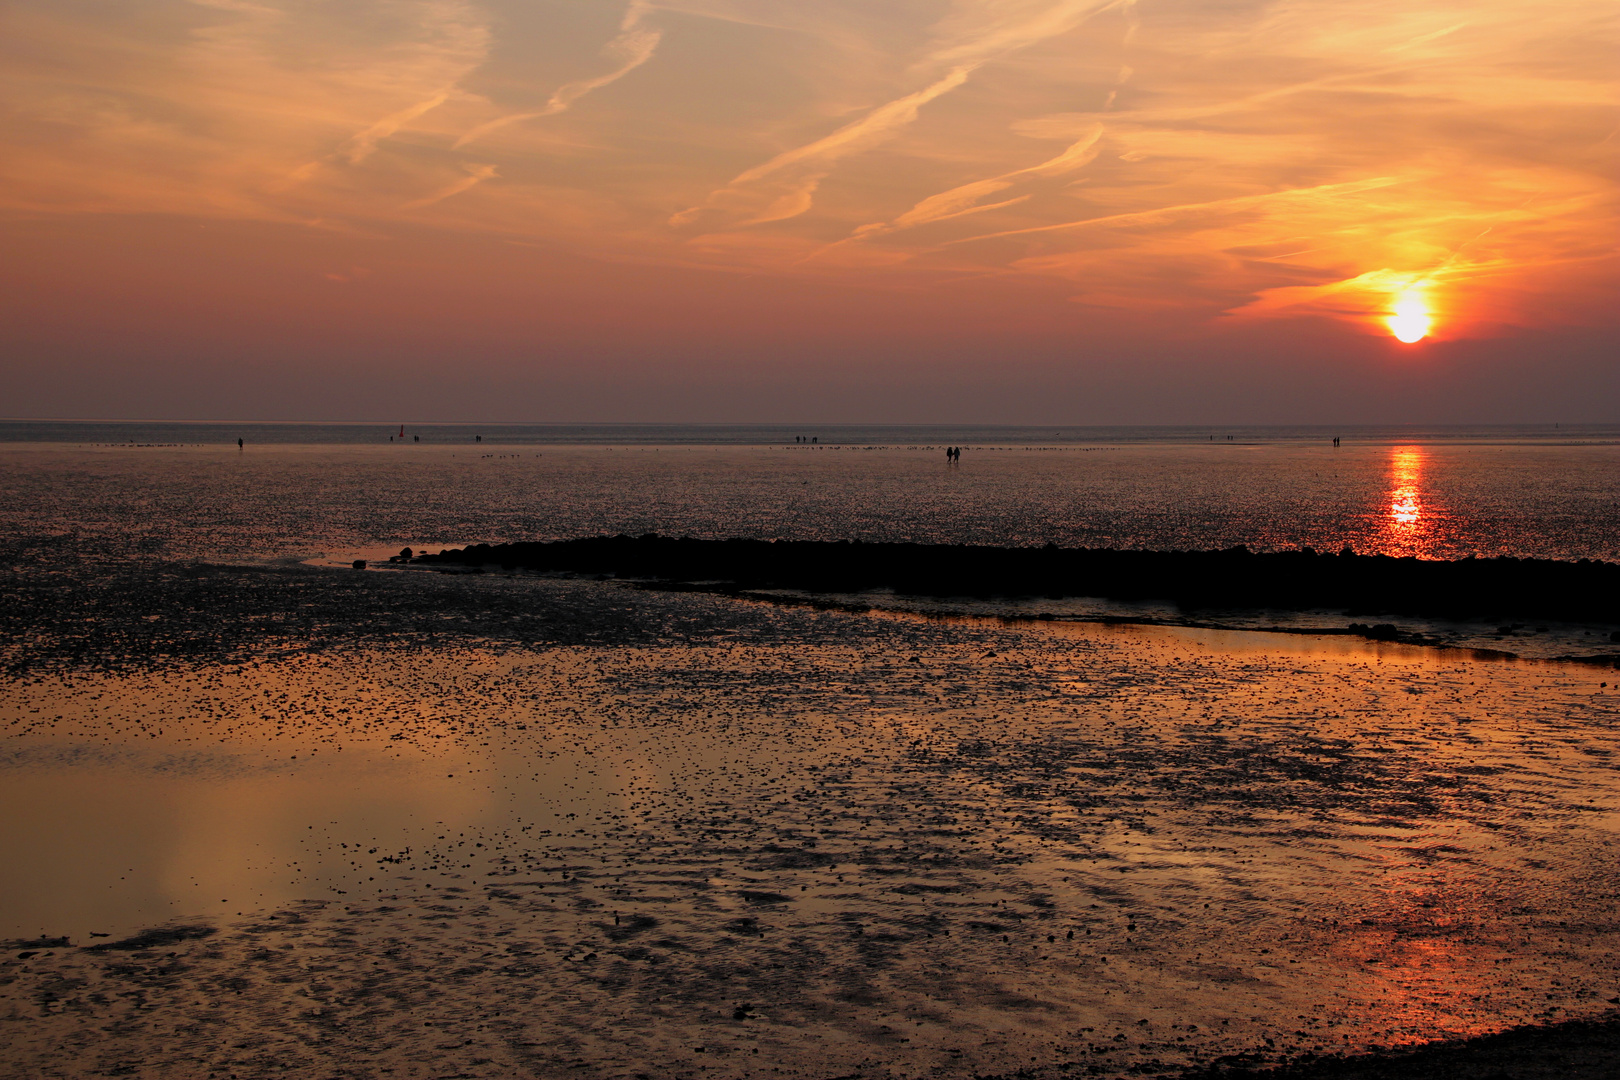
[306,432]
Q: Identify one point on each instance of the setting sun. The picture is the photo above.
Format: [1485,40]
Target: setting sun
[1410,321]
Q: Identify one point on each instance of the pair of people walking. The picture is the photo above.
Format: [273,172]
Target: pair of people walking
[953,453]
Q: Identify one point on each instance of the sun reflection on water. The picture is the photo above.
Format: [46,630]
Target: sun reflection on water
[1408,523]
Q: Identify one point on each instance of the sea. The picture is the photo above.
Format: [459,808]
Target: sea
[582,824]
[100,491]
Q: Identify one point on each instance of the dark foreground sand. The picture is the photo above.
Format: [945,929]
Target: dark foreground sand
[637,834]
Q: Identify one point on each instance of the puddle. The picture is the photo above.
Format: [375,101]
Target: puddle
[1262,643]
[1222,641]
[1541,640]
[106,850]
[145,799]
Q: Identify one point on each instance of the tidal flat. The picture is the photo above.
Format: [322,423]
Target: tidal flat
[290,821]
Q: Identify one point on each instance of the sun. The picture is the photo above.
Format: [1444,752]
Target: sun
[1410,321]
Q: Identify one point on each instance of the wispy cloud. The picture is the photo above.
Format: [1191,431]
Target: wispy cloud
[223,109]
[477,174]
[972,34]
[1250,159]
[633,47]
[964,199]
[1160,214]
[977,30]
[364,144]
[783,186]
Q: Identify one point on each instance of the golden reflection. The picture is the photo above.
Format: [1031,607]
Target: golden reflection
[1406,474]
[1418,973]
[1407,518]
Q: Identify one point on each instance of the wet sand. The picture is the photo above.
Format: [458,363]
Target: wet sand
[492,827]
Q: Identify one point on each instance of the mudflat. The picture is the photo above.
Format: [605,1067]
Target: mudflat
[414,825]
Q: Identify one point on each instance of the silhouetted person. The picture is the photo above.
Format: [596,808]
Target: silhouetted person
[239,444]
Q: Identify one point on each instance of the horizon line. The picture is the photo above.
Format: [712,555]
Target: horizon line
[806,423]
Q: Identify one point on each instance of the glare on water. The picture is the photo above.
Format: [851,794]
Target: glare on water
[1406,469]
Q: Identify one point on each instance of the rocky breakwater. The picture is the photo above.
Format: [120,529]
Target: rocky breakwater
[1492,589]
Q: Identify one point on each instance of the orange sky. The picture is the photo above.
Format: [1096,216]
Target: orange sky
[711,194]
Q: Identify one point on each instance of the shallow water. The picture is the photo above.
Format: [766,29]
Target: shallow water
[1438,495]
[1320,630]
[876,834]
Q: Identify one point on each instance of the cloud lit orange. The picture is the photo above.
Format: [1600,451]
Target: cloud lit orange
[1315,160]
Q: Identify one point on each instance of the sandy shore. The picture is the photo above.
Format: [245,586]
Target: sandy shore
[485,827]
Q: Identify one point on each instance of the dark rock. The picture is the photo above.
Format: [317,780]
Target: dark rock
[1289,580]
[1571,1050]
[41,942]
[155,938]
